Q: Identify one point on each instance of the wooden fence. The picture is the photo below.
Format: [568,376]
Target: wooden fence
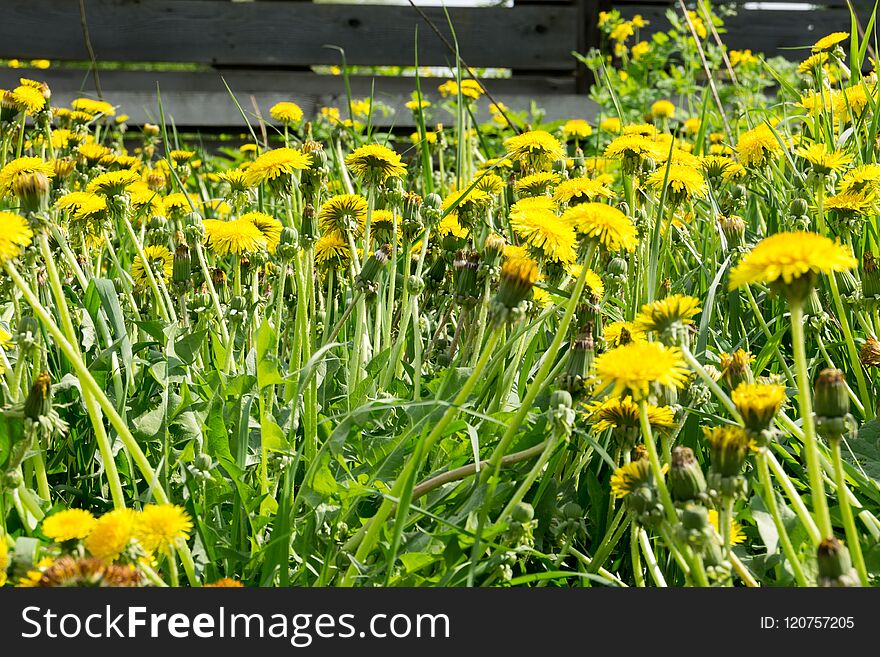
[265,49]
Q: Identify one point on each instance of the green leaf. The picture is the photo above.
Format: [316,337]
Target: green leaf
[217,434]
[267,365]
[866,448]
[272,436]
[187,347]
[323,482]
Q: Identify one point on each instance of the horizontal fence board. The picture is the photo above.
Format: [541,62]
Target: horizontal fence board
[200,99]
[772,32]
[286,33]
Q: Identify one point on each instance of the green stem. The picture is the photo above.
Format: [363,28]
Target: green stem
[773,507]
[849,524]
[850,346]
[811,442]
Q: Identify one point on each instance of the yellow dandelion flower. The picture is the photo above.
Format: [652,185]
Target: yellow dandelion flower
[622,31]
[237,236]
[23,166]
[177,203]
[225,583]
[742,57]
[537,183]
[630,477]
[736,531]
[470,89]
[580,189]
[822,161]
[160,527]
[757,145]
[375,163]
[692,126]
[683,182]
[640,49]
[861,179]
[112,182]
[828,42]
[631,369]
[632,148]
[617,334]
[542,229]
[850,204]
[616,413]
[30,99]
[787,257]
[430,137]
[415,104]
[286,112]
[15,235]
[270,227]
[277,166]
[537,148]
[94,153]
[343,213]
[331,250]
[69,525]
[813,63]
[160,261]
[720,167]
[611,124]
[606,224]
[576,128]
[664,313]
[490,183]
[449,226]
[111,534]
[728,447]
[662,109]
[758,403]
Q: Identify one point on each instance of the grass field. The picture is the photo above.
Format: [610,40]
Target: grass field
[635,351]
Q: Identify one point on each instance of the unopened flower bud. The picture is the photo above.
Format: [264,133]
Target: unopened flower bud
[835,565]
[870,275]
[686,480]
[181,270]
[366,280]
[39,400]
[736,368]
[32,190]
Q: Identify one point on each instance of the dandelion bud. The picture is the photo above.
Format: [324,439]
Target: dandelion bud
[151,130]
[32,190]
[63,168]
[580,362]
[736,368]
[634,482]
[831,404]
[432,202]
[518,276]
[847,284]
[366,280]
[728,448]
[437,271]
[523,513]
[493,248]
[686,480]
[695,528]
[415,285]
[156,181]
[617,267]
[870,276]
[39,400]
[831,395]
[835,565]
[181,270]
[193,228]
[869,354]
[157,223]
[734,229]
[798,208]
[466,267]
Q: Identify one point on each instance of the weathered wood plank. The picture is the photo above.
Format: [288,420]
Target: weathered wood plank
[201,100]
[772,32]
[286,33]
